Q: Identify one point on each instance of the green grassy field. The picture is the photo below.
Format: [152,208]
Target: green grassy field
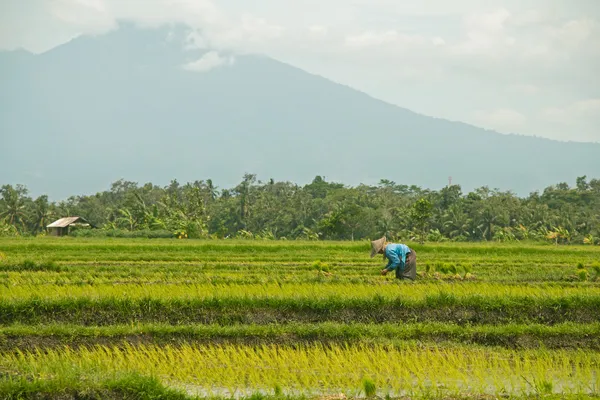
[180,319]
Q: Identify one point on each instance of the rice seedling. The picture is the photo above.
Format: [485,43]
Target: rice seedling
[369,387]
[266,319]
[583,274]
[348,291]
[596,269]
[316,369]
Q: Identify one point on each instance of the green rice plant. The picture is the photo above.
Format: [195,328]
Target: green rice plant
[321,266]
[467,268]
[281,328]
[596,269]
[303,369]
[544,387]
[583,275]
[442,268]
[279,291]
[541,387]
[452,269]
[369,387]
[184,260]
[71,385]
[28,265]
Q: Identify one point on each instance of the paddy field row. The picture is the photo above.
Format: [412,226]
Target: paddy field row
[178,319]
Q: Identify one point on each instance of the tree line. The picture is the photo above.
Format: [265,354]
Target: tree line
[320,210]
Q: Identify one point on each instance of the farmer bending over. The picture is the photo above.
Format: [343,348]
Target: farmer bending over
[401,258]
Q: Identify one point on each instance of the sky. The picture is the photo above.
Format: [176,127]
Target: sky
[528,67]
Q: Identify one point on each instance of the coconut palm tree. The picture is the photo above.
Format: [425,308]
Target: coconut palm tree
[41,214]
[13,205]
[456,222]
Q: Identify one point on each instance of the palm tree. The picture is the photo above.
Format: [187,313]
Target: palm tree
[488,219]
[13,201]
[213,192]
[456,222]
[41,214]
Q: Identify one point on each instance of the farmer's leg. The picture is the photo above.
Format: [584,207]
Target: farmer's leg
[410,268]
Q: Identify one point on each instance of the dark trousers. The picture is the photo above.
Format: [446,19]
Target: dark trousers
[410,267]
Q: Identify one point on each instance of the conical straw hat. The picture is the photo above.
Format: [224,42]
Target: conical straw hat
[377,245]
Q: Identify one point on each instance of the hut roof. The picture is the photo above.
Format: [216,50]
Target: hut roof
[64,222]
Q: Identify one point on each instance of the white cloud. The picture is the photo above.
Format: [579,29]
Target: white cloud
[91,16]
[501,119]
[458,60]
[158,12]
[582,109]
[578,120]
[391,37]
[208,61]
[524,88]
[485,33]
[489,22]
[195,40]
[318,30]
[527,18]
[438,41]
[575,32]
[215,28]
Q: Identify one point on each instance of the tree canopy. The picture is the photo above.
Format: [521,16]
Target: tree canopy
[320,210]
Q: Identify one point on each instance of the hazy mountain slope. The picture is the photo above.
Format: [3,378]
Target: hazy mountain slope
[96,109]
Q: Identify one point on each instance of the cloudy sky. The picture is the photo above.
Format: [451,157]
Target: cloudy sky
[528,66]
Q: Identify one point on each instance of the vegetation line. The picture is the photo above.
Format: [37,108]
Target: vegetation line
[377,309]
[319,210]
[567,335]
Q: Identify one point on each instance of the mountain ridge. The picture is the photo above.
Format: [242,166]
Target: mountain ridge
[143,117]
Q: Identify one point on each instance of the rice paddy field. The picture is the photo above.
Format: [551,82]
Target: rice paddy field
[184,319]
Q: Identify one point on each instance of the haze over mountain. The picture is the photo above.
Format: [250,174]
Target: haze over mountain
[135,104]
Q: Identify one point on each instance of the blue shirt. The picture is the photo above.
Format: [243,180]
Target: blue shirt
[396,254]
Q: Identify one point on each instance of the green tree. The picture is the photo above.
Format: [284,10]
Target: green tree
[41,215]
[283,209]
[420,214]
[13,202]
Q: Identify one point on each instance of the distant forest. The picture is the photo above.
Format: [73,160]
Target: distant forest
[321,210]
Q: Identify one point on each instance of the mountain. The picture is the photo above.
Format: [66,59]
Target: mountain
[121,105]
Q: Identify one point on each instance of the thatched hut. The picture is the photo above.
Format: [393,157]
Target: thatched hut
[61,226]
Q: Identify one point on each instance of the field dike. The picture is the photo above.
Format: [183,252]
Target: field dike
[511,336]
[225,311]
